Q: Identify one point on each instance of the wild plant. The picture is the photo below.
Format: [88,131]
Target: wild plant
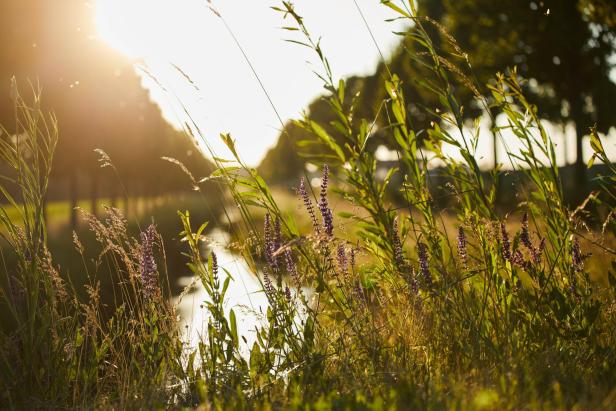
[512,304]
[60,348]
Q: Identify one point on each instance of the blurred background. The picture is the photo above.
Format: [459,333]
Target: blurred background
[127,76]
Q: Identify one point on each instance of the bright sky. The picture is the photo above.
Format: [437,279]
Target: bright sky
[226,96]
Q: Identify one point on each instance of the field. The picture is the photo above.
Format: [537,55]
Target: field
[379,293]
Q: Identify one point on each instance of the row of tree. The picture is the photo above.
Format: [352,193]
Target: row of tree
[566,47]
[99,102]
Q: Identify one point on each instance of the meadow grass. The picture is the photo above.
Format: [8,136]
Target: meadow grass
[371,304]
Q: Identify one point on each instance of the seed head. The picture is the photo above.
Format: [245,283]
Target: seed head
[308,204]
[505,243]
[326,213]
[462,251]
[147,265]
[270,239]
[422,253]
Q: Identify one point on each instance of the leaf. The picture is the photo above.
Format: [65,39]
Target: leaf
[341,89]
[327,139]
[233,325]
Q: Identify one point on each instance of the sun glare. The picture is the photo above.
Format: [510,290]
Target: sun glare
[137,28]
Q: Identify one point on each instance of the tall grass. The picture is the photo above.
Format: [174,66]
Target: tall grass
[380,308]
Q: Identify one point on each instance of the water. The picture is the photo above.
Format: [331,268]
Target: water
[244,296]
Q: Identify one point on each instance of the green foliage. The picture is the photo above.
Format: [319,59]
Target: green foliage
[384,309]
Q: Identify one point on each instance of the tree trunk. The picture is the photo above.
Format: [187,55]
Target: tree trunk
[73,196]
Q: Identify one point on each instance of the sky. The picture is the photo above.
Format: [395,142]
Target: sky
[224,96]
[193,68]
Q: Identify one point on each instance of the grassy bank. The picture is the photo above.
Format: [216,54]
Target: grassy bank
[372,305]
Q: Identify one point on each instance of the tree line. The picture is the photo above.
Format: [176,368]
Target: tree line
[565,48]
[99,102]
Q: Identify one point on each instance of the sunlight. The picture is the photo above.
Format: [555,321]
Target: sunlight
[139,28]
[164,34]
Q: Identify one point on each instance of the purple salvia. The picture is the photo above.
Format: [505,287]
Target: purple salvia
[292,270]
[147,263]
[399,259]
[287,293]
[343,262]
[326,212]
[577,261]
[352,259]
[525,239]
[291,267]
[422,253]
[267,285]
[269,243]
[577,258]
[215,269]
[540,250]
[518,259]
[505,243]
[462,250]
[276,243]
[308,204]
[216,282]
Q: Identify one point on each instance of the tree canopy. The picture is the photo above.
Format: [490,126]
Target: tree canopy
[565,48]
[97,97]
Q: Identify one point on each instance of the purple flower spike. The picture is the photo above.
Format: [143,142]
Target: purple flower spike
[343,262]
[505,243]
[147,263]
[326,212]
[270,242]
[462,251]
[308,204]
[422,252]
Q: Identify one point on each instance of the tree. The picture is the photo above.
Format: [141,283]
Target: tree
[565,46]
[97,97]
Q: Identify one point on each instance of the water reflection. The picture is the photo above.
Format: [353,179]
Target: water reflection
[244,296]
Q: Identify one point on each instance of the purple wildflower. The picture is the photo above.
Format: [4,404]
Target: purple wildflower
[422,252]
[518,259]
[277,242]
[291,267]
[505,243]
[462,251]
[399,260]
[326,212]
[397,247]
[308,204]
[270,238]
[147,263]
[577,258]
[215,268]
[525,239]
[287,294]
[352,259]
[343,262]
[267,284]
